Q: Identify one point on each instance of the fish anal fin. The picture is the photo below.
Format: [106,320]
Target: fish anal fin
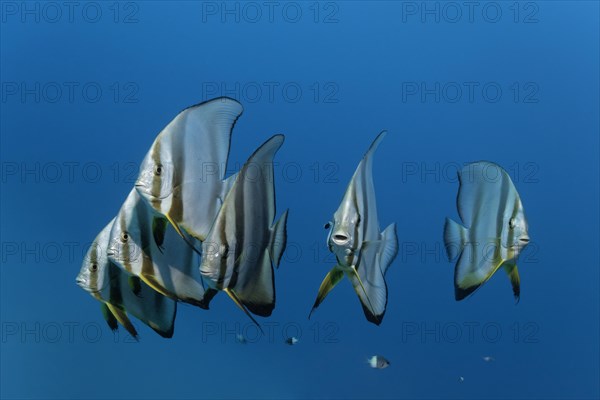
[331,279]
[472,279]
[368,308]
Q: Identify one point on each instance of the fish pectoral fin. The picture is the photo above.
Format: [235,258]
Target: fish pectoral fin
[135,285]
[515,280]
[123,319]
[455,236]
[109,317]
[239,303]
[159,228]
[278,239]
[331,279]
[155,285]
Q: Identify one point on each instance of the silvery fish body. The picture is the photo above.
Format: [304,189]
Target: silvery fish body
[378,362]
[363,252]
[181,175]
[144,244]
[244,242]
[495,230]
[110,284]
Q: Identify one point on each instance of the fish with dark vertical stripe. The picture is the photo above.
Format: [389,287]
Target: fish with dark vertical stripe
[244,242]
[495,229]
[182,176]
[363,252]
[110,284]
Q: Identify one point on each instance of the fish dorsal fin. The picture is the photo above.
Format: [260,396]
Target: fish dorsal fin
[205,127]
[483,185]
[278,238]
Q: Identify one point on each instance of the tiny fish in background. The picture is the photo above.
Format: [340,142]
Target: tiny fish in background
[291,341]
[378,362]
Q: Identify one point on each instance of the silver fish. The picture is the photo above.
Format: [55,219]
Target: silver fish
[378,362]
[244,243]
[110,284]
[182,175]
[495,230]
[144,244]
[363,252]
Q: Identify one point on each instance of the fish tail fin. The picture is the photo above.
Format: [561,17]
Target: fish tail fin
[278,238]
[515,280]
[239,303]
[109,317]
[455,236]
[332,279]
[123,319]
[389,249]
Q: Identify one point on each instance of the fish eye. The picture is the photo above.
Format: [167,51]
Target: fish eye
[511,223]
[327,225]
[158,170]
[94,267]
[124,237]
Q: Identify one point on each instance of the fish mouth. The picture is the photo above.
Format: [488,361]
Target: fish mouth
[524,240]
[340,239]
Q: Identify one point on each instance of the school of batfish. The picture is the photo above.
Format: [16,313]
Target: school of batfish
[185,236]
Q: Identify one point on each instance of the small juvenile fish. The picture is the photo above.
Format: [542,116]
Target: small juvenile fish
[488,358]
[291,340]
[378,362]
[240,338]
[461,379]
